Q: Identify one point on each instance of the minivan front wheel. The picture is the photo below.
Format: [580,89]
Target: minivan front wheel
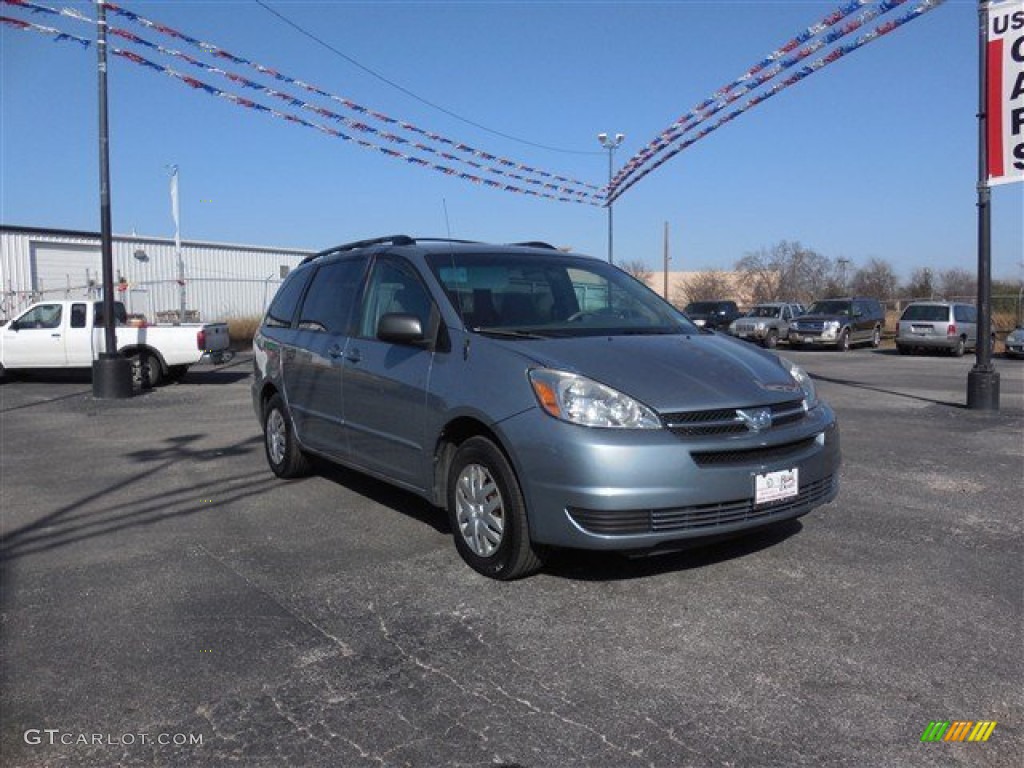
[284,456]
[487,512]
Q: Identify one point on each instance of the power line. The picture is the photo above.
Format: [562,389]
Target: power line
[409,93]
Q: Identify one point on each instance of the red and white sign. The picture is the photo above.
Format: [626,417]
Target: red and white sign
[1004,57]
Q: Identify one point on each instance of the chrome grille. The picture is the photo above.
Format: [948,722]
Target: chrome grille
[725,421]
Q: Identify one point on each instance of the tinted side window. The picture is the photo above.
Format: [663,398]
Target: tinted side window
[332,292]
[78,315]
[394,287]
[283,307]
[965,314]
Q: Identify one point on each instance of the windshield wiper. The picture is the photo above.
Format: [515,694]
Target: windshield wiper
[507,333]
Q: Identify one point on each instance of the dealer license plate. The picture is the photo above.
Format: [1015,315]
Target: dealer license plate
[775,486]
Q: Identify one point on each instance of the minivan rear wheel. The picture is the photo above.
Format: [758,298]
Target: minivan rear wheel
[958,350]
[284,456]
[487,513]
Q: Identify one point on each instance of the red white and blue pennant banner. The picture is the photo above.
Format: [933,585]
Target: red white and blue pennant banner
[1004,100]
[1006,114]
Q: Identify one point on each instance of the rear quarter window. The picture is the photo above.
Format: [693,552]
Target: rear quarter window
[282,308]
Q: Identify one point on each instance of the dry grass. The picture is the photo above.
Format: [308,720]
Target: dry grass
[242,329]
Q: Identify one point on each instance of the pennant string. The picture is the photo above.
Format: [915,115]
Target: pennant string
[768,68]
[818,64]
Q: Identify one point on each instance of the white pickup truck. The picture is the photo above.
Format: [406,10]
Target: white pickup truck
[69,334]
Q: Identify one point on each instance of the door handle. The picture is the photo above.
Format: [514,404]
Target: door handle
[353,356]
[55,335]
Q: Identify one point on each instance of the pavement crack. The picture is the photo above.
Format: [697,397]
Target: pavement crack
[343,648]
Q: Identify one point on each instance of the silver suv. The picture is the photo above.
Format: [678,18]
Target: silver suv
[945,325]
[767,323]
[543,399]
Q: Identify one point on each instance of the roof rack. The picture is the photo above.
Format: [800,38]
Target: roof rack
[536,244]
[389,239]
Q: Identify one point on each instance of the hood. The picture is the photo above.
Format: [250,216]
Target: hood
[671,372]
[821,318]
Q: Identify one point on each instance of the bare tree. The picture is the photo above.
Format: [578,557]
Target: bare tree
[637,269]
[705,286]
[921,284]
[876,279]
[958,282]
[785,271]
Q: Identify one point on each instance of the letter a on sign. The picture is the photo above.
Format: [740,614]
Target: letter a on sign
[1004,98]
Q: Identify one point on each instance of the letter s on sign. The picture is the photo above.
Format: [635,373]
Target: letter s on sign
[32,739]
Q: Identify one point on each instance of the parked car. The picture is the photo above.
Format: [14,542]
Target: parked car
[712,314]
[839,323]
[544,399]
[69,334]
[767,323]
[944,325]
[1014,344]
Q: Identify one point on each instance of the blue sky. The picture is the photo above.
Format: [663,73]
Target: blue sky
[873,156]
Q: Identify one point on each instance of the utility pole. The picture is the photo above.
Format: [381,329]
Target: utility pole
[667,259]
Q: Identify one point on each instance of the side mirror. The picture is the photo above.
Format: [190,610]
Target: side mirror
[400,328]
[14,325]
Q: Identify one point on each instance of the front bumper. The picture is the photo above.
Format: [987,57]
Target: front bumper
[635,490]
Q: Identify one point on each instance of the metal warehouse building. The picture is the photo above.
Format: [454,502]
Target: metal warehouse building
[221,281]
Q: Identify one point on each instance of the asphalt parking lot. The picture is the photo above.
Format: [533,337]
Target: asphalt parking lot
[160,588]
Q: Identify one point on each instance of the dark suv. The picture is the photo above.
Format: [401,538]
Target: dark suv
[712,314]
[839,323]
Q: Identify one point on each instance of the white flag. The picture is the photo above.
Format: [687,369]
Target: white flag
[174,207]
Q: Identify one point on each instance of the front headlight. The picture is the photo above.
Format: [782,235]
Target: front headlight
[832,325]
[761,326]
[579,400]
[801,377]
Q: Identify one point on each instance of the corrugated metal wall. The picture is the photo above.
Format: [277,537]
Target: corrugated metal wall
[221,280]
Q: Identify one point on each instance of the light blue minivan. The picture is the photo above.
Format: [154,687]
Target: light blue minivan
[544,399]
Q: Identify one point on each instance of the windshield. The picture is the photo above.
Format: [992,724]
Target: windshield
[764,312]
[829,308]
[523,294]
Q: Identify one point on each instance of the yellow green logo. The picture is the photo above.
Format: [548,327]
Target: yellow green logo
[958,730]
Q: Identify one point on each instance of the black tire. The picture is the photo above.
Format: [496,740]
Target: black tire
[494,543]
[771,341]
[284,456]
[876,337]
[958,350]
[843,343]
[903,349]
[147,372]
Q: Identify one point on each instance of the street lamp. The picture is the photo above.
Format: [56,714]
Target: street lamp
[611,144]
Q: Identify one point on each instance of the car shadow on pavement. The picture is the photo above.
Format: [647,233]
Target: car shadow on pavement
[580,565]
[403,502]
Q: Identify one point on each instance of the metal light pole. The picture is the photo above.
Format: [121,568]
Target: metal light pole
[983,379]
[111,373]
[611,144]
